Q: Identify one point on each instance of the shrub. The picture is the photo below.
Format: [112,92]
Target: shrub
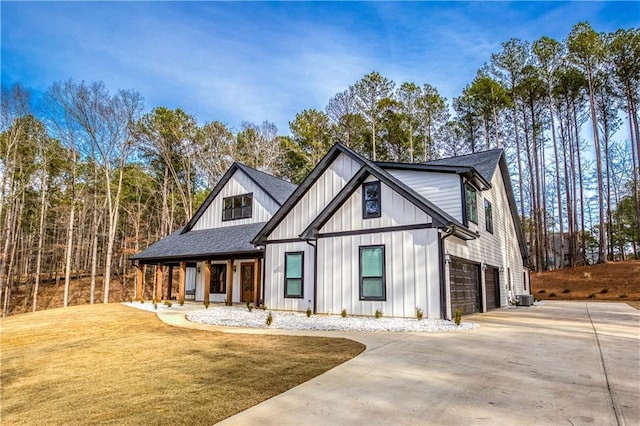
[168,303]
[552,295]
[457,316]
[592,296]
[343,314]
[566,290]
[378,313]
[604,291]
[309,312]
[419,313]
[541,292]
[269,320]
[622,296]
[537,299]
[250,306]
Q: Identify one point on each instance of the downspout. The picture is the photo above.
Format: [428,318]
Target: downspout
[315,274]
[447,231]
[262,276]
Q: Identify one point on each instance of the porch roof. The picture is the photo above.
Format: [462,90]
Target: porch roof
[228,241]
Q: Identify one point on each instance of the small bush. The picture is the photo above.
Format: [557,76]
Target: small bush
[541,292]
[378,313]
[269,320]
[457,316]
[537,299]
[622,296]
[592,296]
[566,290]
[419,313]
[604,291]
[552,295]
[168,303]
[586,275]
[250,306]
[309,312]
[263,306]
[343,314]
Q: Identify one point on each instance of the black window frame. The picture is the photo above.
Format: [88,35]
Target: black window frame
[235,208]
[377,200]
[286,278]
[488,216]
[471,207]
[361,249]
[215,273]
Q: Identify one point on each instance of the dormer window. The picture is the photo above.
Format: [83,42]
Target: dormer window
[471,204]
[237,207]
[371,200]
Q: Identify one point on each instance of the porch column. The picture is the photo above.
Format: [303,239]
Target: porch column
[140,282]
[256,280]
[229,282]
[159,281]
[207,281]
[183,279]
[170,284]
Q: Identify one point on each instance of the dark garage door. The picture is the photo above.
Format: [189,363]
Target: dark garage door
[465,287]
[492,287]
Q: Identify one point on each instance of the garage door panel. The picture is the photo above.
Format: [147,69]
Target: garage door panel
[492,289]
[464,284]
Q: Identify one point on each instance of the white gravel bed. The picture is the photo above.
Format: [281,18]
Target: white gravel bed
[241,317]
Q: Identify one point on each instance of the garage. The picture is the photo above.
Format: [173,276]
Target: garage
[465,286]
[492,288]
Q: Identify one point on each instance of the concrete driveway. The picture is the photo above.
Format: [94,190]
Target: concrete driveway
[561,363]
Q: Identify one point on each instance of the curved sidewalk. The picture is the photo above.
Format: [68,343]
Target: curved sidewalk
[560,363]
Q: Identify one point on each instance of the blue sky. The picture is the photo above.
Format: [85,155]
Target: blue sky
[257,61]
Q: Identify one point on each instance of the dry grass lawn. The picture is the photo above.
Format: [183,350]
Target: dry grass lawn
[614,281]
[110,364]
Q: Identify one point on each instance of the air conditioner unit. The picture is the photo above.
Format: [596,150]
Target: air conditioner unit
[525,299]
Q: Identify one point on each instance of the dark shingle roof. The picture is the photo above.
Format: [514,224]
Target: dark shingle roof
[279,189]
[484,162]
[206,242]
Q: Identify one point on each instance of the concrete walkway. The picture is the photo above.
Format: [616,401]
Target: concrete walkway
[561,363]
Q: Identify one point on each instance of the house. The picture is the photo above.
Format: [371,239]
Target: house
[365,236]
[213,251]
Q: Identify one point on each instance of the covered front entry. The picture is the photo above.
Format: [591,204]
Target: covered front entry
[492,288]
[465,286]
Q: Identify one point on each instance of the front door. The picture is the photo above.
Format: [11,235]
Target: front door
[246,280]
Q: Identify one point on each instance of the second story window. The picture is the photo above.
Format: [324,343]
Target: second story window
[237,207]
[471,199]
[488,216]
[371,200]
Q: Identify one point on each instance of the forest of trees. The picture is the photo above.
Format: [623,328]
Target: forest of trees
[89,177]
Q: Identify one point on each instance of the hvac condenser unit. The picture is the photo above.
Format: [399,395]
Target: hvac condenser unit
[525,299]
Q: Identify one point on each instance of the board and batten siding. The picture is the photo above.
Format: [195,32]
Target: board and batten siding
[500,249]
[395,211]
[274,257]
[442,189]
[332,180]
[411,274]
[263,205]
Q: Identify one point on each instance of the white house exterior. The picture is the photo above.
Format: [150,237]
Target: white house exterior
[355,235]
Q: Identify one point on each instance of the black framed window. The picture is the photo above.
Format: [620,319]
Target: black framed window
[471,200]
[372,276]
[488,216]
[218,283]
[371,200]
[293,276]
[237,207]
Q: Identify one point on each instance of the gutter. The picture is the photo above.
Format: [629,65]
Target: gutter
[447,231]
[315,273]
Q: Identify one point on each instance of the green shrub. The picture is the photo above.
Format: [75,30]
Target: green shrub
[309,312]
[604,291]
[378,313]
[168,303]
[250,306]
[269,320]
[343,314]
[419,313]
[457,316]
[566,290]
